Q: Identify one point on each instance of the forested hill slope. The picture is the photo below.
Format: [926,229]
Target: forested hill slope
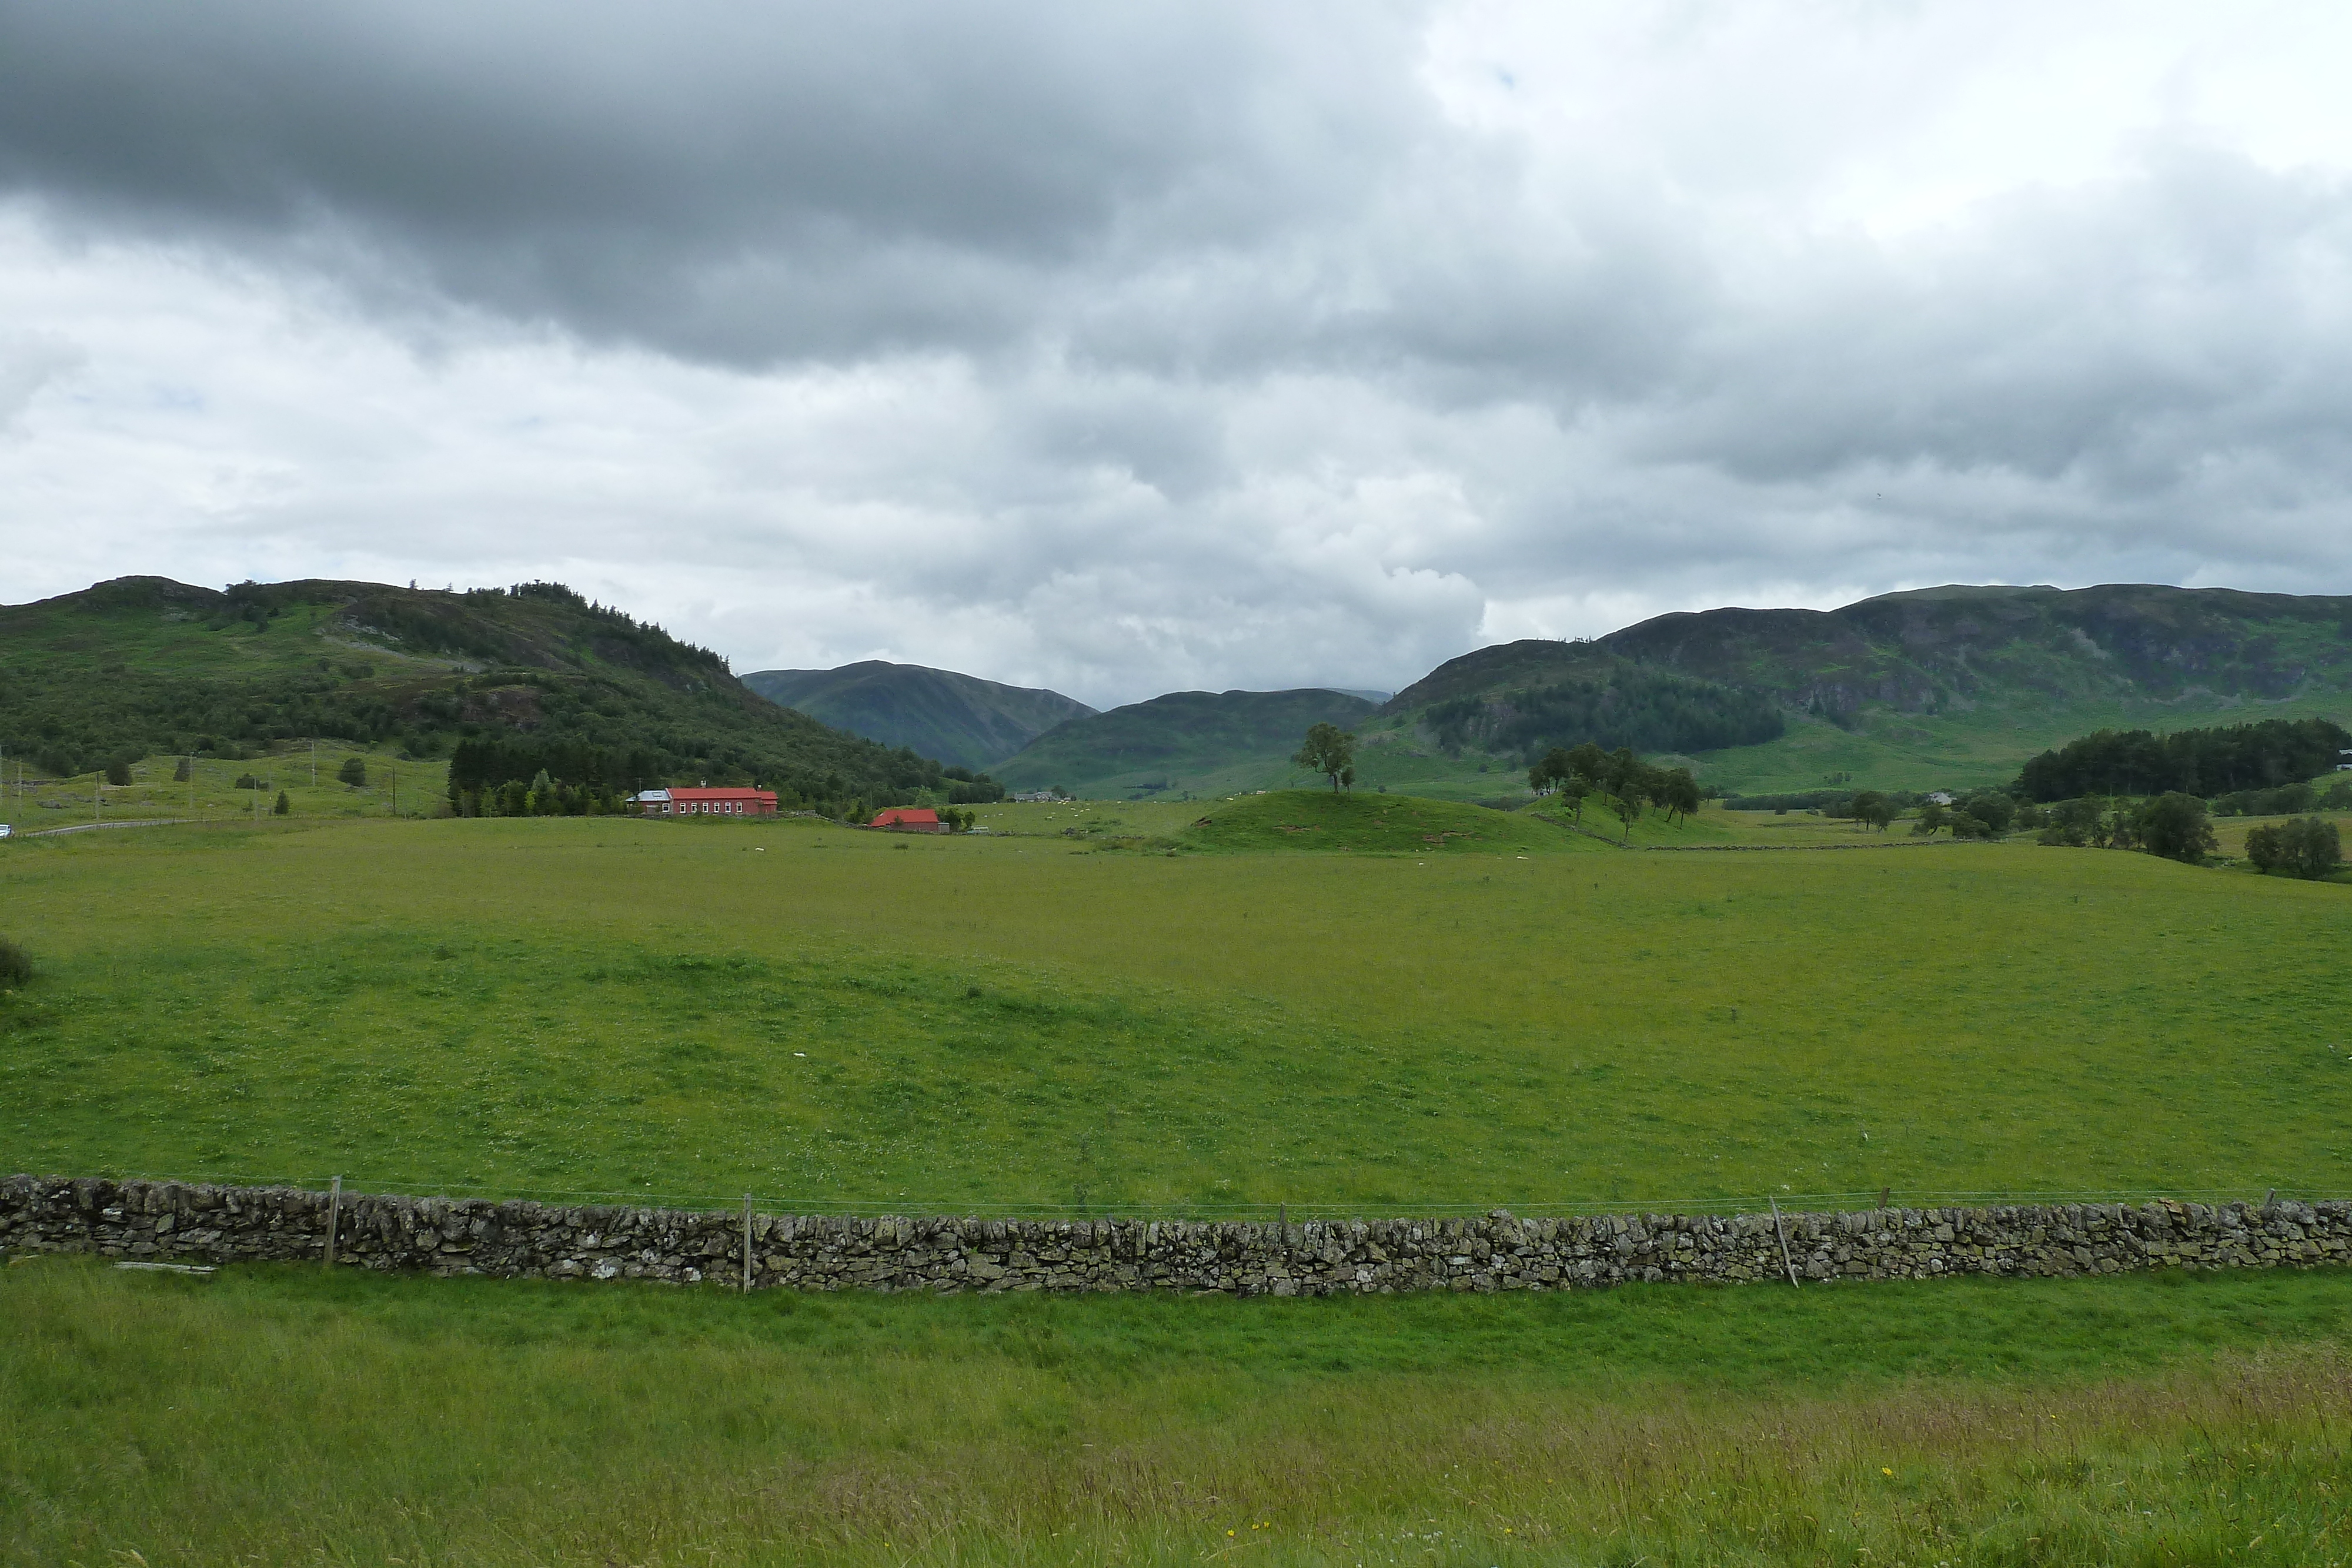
[1184,742]
[142,665]
[1518,699]
[1955,685]
[955,717]
[1940,649]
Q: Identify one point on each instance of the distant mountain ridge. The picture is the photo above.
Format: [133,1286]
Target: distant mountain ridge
[958,718]
[1196,742]
[1925,649]
[1958,684]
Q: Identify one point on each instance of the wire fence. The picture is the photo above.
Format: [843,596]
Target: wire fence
[1309,1207]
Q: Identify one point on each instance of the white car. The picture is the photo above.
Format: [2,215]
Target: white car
[4,829]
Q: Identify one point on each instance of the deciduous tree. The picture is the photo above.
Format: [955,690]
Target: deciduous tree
[2173,825]
[1330,751]
[2310,847]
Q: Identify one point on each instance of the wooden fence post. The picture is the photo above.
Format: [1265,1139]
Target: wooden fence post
[1783,1235]
[334,1213]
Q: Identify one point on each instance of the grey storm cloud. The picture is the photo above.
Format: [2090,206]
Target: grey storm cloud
[745,181]
[1198,344]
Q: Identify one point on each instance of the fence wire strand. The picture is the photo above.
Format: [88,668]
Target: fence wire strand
[1318,1209]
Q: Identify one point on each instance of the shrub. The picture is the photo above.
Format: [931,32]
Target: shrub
[284,808]
[15,968]
[246,781]
[118,773]
[181,771]
[354,771]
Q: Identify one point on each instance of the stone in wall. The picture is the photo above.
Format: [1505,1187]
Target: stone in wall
[170,1221]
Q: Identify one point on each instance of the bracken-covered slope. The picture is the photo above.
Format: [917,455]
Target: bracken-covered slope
[958,718]
[1184,742]
[142,666]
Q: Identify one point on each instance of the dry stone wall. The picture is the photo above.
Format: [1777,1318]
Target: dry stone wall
[171,1222]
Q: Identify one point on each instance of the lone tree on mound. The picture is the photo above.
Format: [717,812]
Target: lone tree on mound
[1330,751]
[354,771]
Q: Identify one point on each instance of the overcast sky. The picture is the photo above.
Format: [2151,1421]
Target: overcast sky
[1132,348]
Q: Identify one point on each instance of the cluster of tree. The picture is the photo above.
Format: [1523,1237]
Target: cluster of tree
[2287,801]
[1829,802]
[2223,760]
[1987,814]
[1628,782]
[541,796]
[494,761]
[2173,824]
[1626,707]
[2309,848]
[494,776]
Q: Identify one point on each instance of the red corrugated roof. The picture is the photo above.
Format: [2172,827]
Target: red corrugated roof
[911,816]
[705,794]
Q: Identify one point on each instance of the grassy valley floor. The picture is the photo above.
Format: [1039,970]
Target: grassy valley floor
[835,1018]
[1096,1007]
[275,1415]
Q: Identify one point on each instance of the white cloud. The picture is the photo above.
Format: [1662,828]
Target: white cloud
[1133,350]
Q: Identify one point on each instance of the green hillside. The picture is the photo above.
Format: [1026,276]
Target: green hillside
[1186,743]
[959,719]
[1960,685]
[1949,687]
[142,665]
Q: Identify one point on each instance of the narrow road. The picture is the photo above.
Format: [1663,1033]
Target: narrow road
[91,827]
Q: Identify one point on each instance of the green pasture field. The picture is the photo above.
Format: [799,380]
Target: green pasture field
[1154,1016]
[278,1415]
[839,1019]
[306,773]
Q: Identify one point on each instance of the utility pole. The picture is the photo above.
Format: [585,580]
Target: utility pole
[314,762]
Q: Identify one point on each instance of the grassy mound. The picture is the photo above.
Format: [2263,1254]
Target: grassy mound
[1376,824]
